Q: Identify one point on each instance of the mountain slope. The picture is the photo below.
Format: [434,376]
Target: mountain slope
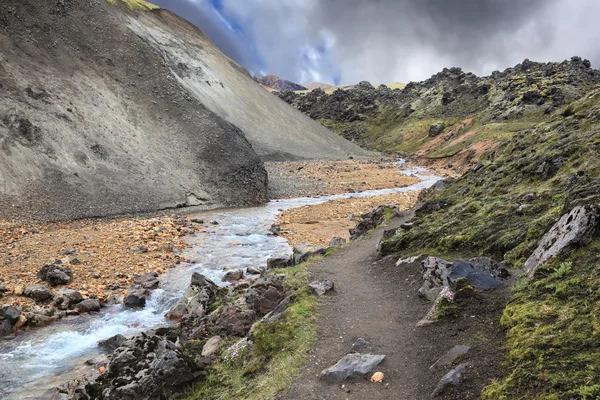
[274,82]
[94,121]
[453,115]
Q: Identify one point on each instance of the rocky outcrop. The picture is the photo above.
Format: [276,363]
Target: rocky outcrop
[482,273]
[144,367]
[575,227]
[527,88]
[370,220]
[303,251]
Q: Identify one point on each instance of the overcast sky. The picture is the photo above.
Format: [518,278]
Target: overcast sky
[385,41]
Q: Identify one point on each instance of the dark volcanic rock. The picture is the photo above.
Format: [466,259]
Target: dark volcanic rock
[352,365]
[304,251]
[264,295]
[233,321]
[55,274]
[88,305]
[11,314]
[148,281]
[5,328]
[370,221]
[279,262]
[452,378]
[37,292]
[65,298]
[146,367]
[112,343]
[136,298]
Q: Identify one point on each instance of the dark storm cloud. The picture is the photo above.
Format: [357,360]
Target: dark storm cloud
[401,40]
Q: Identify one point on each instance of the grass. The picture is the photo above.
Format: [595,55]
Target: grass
[133,5]
[280,350]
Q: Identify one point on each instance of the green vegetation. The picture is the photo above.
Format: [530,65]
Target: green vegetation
[134,4]
[279,351]
[502,210]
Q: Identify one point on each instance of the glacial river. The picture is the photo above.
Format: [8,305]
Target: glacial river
[40,359]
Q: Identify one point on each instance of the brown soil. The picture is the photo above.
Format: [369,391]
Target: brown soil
[343,176]
[378,301]
[102,246]
[319,223]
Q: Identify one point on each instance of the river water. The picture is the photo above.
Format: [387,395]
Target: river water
[43,358]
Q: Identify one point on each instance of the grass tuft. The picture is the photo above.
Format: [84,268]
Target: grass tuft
[133,5]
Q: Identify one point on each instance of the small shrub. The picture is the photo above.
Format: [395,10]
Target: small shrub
[563,270]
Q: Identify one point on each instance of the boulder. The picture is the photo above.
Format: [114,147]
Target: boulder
[254,271]
[275,229]
[88,305]
[65,298]
[11,314]
[148,281]
[277,312]
[112,343]
[177,311]
[5,328]
[55,274]
[370,221]
[230,320]
[304,251]
[200,294]
[436,129]
[452,378]
[321,286]
[279,262]
[147,367]
[37,292]
[352,365]
[233,275]
[337,241]
[211,347]
[575,227]
[135,298]
[263,299]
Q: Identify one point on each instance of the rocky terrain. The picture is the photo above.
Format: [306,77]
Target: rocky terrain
[113,108]
[454,117]
[273,82]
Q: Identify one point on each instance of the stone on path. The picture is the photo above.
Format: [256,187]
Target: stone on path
[337,241]
[351,366]
[321,286]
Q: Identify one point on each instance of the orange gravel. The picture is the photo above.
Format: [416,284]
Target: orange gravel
[101,246]
[319,223]
[343,176]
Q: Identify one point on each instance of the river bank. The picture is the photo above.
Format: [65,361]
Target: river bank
[224,240]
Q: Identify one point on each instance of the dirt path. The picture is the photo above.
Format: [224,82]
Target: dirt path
[378,301]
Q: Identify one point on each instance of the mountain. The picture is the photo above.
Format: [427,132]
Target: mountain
[275,83]
[453,115]
[317,85]
[120,107]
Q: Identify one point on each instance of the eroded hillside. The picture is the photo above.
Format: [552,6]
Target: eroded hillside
[115,107]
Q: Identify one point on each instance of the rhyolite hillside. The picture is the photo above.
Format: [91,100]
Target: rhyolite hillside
[116,107]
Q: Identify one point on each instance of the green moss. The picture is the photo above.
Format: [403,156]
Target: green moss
[134,4]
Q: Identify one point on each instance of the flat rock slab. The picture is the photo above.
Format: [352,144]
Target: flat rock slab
[478,278]
[575,227]
[351,366]
[321,286]
[450,356]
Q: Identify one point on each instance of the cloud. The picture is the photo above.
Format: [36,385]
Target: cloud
[386,41]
